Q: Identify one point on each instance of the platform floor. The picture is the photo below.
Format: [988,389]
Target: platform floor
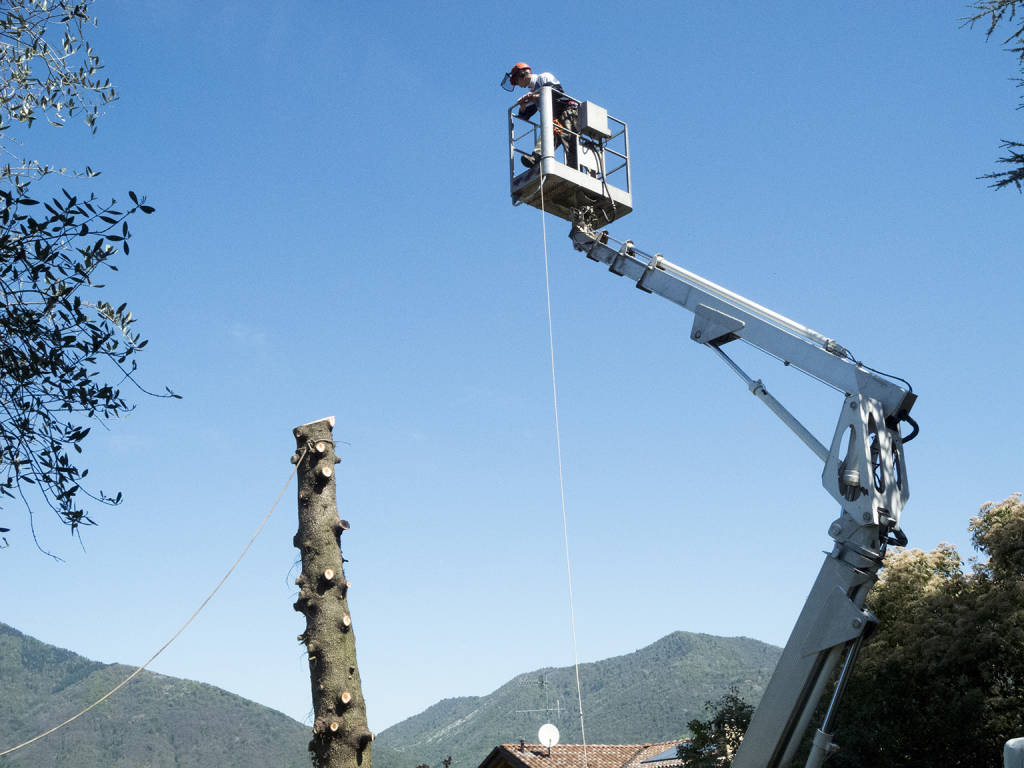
[566,189]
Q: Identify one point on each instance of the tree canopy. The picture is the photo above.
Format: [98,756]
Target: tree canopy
[942,680]
[716,739]
[1000,15]
[65,351]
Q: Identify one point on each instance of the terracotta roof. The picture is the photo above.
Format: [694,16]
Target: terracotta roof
[572,755]
[651,751]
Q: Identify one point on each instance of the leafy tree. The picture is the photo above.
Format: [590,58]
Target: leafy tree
[716,739]
[64,350]
[942,681]
[996,13]
[47,70]
[996,633]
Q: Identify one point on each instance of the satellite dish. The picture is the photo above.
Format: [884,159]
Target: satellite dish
[548,735]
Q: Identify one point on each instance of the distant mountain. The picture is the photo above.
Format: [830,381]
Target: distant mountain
[163,722]
[642,697]
[154,721]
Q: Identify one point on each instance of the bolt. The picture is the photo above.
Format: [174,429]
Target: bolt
[696,334]
[835,529]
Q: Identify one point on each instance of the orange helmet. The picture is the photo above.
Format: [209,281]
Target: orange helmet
[518,69]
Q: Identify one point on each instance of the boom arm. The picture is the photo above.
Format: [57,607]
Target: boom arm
[864,471]
[722,316]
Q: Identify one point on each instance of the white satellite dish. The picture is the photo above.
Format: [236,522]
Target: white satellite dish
[548,735]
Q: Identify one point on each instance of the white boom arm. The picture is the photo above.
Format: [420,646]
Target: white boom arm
[864,471]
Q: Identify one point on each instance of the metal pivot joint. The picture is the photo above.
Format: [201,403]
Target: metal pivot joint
[865,472]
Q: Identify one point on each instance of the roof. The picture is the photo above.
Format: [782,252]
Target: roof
[572,756]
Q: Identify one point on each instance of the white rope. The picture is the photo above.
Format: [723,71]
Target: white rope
[561,478]
[174,637]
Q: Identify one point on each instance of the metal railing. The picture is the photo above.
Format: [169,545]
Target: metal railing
[524,138]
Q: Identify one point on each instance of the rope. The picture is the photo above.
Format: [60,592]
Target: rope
[174,637]
[561,477]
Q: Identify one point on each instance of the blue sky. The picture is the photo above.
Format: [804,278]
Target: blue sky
[333,235]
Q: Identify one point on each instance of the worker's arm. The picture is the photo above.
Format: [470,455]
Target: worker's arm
[528,104]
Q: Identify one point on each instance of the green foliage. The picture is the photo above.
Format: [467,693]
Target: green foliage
[53,342]
[154,721]
[997,14]
[942,681]
[64,351]
[47,69]
[638,698]
[716,739]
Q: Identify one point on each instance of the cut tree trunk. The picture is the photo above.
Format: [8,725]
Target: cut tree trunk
[341,738]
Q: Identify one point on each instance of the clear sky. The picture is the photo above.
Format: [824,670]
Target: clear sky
[334,236]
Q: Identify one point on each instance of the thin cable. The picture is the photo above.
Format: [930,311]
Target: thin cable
[561,477]
[202,605]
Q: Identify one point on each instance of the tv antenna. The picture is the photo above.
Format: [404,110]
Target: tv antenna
[558,709]
[543,685]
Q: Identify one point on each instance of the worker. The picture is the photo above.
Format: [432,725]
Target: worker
[565,110]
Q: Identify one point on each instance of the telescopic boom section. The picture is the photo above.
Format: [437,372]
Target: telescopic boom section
[864,470]
[721,315]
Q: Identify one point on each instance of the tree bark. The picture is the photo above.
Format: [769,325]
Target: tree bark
[341,738]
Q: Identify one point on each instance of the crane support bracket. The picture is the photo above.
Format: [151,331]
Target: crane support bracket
[839,620]
[621,258]
[714,328]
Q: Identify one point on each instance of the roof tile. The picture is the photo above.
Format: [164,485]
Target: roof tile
[588,756]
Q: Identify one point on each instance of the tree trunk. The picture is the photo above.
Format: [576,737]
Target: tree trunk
[341,738]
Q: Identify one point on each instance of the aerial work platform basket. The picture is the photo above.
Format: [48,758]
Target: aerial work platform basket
[592,177]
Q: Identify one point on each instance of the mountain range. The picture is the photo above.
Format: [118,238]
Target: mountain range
[155,721]
[158,721]
[641,697]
